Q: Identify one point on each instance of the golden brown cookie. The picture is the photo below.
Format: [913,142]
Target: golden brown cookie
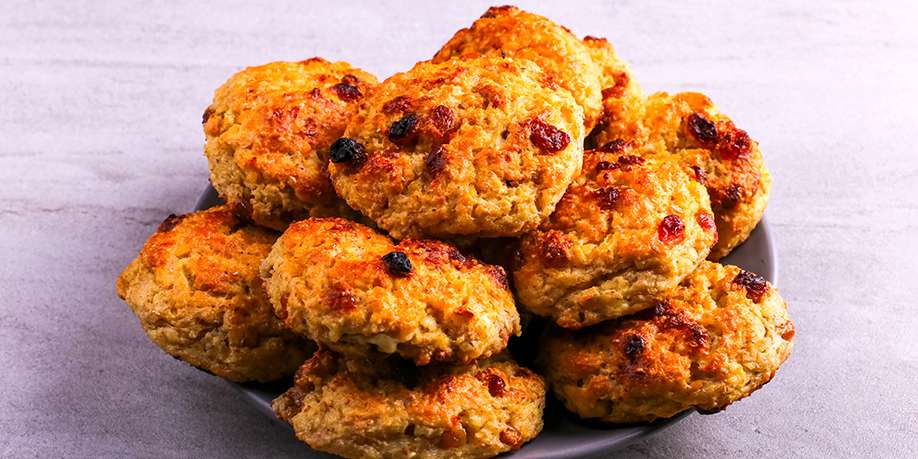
[478,147]
[268,131]
[715,339]
[628,229]
[511,32]
[688,128]
[196,290]
[359,410]
[355,291]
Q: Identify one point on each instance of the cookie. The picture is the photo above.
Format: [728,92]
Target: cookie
[355,291]
[268,132]
[196,290]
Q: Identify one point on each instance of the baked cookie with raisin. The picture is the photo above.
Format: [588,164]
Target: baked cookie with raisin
[627,230]
[689,128]
[718,337]
[477,147]
[196,289]
[357,409]
[355,291]
[268,132]
[511,32]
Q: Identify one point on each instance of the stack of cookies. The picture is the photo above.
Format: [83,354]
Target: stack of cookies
[356,213]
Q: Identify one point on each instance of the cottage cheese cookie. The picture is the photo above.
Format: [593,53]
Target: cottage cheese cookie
[715,339]
[355,291]
[628,229]
[479,147]
[689,128]
[356,410]
[268,132]
[511,32]
[196,290]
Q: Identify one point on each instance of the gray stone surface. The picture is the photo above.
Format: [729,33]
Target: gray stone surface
[100,138]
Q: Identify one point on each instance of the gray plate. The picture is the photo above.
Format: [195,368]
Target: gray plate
[563,435]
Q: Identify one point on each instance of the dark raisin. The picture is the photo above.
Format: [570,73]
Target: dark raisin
[608,198]
[347,150]
[699,174]
[435,162]
[399,104]
[615,146]
[404,130]
[409,430]
[547,137]
[671,229]
[634,346]
[626,161]
[703,129]
[755,285]
[347,92]
[397,263]
[606,165]
[727,199]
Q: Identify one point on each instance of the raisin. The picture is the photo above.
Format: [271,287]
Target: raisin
[399,104]
[626,161]
[547,137]
[729,198]
[699,174]
[615,146]
[496,385]
[397,264]
[554,249]
[671,229]
[443,120]
[703,129]
[705,221]
[606,165]
[755,285]
[347,92]
[734,144]
[634,346]
[404,130]
[435,162]
[347,150]
[608,198]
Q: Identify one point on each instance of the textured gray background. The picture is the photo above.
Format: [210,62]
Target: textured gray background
[100,138]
